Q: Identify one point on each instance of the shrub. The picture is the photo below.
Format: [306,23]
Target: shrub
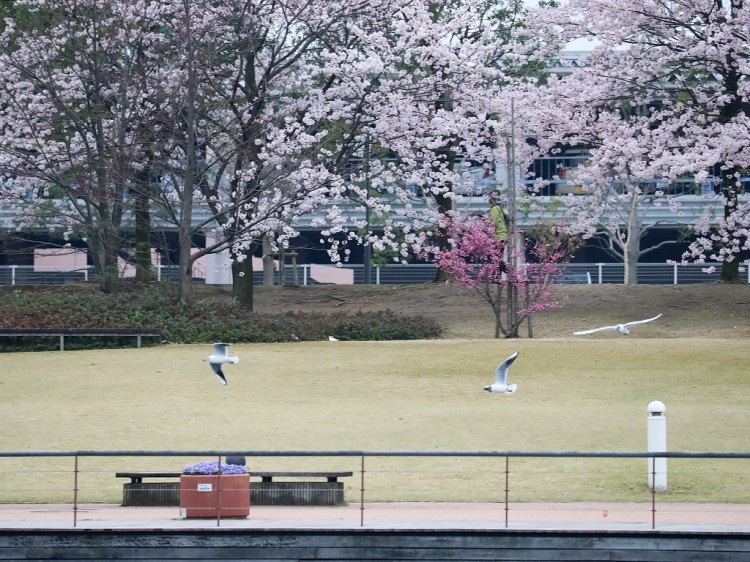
[206,321]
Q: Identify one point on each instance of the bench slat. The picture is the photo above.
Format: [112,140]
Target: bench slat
[138,476]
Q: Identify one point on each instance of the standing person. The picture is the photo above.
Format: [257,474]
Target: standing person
[499,215]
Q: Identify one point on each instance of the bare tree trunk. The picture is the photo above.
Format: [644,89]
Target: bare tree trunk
[730,270]
[497,307]
[632,245]
[268,272]
[445,205]
[630,262]
[143,266]
[103,248]
[447,156]
[185,230]
[243,289]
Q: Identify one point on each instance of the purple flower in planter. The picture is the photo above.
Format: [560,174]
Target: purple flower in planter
[212,467]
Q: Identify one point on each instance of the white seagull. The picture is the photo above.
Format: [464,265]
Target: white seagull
[331,338]
[501,377]
[619,328]
[218,358]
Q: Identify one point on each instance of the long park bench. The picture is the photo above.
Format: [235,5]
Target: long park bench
[138,333]
[266,492]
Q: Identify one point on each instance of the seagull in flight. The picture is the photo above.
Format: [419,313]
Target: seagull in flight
[501,377]
[218,358]
[623,329]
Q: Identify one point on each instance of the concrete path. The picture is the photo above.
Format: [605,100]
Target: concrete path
[684,517]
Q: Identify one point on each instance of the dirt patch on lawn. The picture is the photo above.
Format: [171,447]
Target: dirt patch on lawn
[706,310]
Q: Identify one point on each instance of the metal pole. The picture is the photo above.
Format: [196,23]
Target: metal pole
[512,246]
[507,488]
[362,493]
[367,250]
[653,494]
[218,495]
[75,491]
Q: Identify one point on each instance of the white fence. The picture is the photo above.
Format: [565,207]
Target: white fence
[402,274]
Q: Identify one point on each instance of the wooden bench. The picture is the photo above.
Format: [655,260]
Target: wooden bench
[74,332]
[266,492]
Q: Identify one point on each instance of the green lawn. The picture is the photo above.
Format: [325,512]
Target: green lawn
[573,395]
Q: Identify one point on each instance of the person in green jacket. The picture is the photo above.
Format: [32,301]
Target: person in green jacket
[499,215]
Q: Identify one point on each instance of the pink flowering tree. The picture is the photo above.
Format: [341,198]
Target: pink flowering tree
[628,175]
[478,260]
[252,110]
[73,104]
[684,67]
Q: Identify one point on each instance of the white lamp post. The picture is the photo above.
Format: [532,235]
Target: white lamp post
[657,443]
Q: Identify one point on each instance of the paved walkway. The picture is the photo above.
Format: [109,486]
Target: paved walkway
[685,517]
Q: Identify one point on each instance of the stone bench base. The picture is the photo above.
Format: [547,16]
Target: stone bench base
[296,493]
[151,494]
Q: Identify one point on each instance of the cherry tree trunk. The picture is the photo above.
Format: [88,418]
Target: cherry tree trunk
[242,281]
[730,270]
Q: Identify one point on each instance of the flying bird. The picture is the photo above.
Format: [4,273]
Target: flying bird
[501,377]
[619,328]
[218,358]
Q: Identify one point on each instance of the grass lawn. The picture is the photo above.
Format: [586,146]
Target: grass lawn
[573,395]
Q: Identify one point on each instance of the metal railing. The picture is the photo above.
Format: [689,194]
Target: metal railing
[486,476]
[402,274]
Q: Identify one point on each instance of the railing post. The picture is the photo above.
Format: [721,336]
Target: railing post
[507,487]
[13,274]
[304,274]
[75,491]
[674,275]
[653,493]
[377,274]
[362,492]
[599,268]
[218,495]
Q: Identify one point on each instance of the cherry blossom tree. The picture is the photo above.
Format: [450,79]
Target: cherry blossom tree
[304,87]
[686,63]
[625,177]
[70,101]
[254,109]
[478,260]
[291,87]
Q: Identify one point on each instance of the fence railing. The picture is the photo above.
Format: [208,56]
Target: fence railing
[401,274]
[498,478]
